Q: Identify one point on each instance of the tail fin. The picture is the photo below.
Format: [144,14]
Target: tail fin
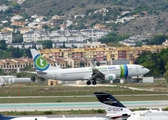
[40,63]
[112,106]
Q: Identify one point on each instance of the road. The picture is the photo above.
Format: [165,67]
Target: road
[77,105]
[80,96]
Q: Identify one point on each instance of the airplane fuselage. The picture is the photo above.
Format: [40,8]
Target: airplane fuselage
[85,73]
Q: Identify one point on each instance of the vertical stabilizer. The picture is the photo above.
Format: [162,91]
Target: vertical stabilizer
[40,63]
[112,106]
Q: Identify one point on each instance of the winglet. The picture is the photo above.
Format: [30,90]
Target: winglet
[91,64]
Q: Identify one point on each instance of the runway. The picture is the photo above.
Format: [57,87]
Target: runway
[77,106]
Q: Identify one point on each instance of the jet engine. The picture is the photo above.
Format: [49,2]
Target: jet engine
[110,77]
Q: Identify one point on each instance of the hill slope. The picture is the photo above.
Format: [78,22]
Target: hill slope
[154,22]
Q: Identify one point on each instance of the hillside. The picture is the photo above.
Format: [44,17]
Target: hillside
[155,22]
[153,14]
[43,7]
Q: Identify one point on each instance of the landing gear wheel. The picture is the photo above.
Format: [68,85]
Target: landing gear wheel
[88,82]
[94,82]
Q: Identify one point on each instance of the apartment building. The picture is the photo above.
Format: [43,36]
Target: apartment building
[101,54]
[15,64]
[80,57]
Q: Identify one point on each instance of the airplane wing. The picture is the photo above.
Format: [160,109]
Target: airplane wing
[96,73]
[30,72]
[37,72]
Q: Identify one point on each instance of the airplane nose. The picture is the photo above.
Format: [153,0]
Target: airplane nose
[147,70]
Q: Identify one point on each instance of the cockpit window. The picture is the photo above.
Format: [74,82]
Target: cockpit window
[142,67]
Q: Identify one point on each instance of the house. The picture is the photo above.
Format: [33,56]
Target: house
[33,36]
[55,20]
[16,45]
[39,19]
[94,34]
[165,42]
[26,45]
[15,64]
[34,16]
[58,37]
[4,21]
[125,13]
[103,10]
[131,41]
[7,36]
[124,19]
[20,1]
[7,29]
[4,8]
[99,26]
[70,44]
[61,62]
[25,30]
[16,17]
[82,16]
[18,23]
[95,45]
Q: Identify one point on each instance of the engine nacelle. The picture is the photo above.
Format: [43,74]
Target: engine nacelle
[110,77]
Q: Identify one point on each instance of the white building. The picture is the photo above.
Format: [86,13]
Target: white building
[165,42]
[55,36]
[16,17]
[4,8]
[7,36]
[94,34]
[20,1]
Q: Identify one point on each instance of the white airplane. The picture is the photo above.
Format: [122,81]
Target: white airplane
[21,118]
[56,118]
[115,109]
[149,116]
[91,74]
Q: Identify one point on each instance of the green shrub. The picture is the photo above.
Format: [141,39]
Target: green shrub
[48,112]
[100,111]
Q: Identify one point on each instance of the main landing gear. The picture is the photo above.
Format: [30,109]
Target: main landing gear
[93,82]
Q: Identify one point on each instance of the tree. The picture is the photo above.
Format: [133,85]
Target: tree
[113,37]
[3,45]
[17,38]
[28,53]
[46,27]
[15,5]
[2,72]
[158,39]
[15,52]
[28,67]
[47,44]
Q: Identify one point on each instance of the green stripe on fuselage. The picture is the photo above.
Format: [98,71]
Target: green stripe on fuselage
[121,70]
